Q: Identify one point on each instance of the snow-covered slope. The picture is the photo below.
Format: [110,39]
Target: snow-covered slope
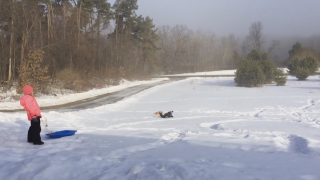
[219,131]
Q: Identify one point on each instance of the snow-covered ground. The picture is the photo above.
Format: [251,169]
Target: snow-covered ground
[222,72]
[219,131]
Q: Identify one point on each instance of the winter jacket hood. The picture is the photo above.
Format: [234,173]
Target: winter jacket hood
[27,89]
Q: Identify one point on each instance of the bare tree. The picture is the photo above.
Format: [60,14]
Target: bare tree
[11,56]
[274,44]
[165,45]
[228,45]
[180,36]
[254,39]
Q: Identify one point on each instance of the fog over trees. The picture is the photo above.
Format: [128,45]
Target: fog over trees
[81,44]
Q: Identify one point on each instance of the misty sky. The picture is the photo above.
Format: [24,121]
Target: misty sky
[278,17]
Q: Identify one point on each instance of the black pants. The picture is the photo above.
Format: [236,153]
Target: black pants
[34,131]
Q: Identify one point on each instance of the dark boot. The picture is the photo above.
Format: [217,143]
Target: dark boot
[39,143]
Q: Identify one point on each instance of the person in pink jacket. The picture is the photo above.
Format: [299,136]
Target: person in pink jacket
[31,106]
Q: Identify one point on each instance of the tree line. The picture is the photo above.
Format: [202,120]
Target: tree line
[80,44]
[69,37]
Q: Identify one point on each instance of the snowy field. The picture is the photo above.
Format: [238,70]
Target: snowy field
[218,132]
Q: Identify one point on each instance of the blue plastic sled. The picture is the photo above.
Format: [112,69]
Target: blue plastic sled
[59,134]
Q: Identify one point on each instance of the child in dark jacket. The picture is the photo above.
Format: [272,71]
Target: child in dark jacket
[34,114]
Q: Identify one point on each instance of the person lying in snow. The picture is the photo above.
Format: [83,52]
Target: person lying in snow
[166,115]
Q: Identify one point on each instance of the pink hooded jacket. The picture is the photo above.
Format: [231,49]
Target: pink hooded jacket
[29,103]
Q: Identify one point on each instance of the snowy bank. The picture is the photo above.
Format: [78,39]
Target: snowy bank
[45,100]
